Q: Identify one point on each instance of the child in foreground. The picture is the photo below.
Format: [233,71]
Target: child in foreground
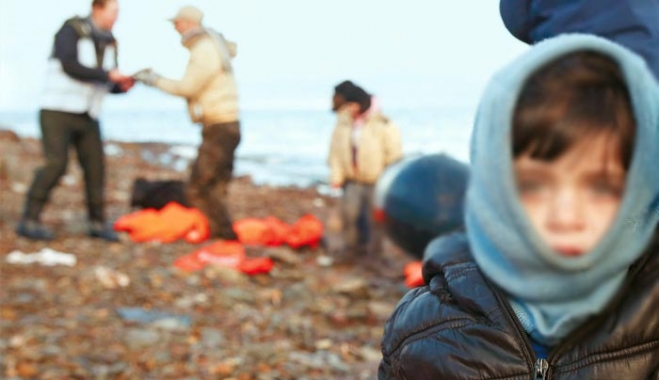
[557,275]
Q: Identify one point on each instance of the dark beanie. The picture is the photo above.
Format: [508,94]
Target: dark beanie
[353,93]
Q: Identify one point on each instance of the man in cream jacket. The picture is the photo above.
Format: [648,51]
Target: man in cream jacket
[210,89]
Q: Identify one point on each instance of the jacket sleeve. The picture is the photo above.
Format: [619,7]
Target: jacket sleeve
[384,369]
[233,48]
[396,331]
[515,15]
[66,50]
[337,176]
[201,68]
[393,147]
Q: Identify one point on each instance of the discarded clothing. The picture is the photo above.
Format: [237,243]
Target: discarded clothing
[45,256]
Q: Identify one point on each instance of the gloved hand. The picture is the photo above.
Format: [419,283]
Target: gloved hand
[147,76]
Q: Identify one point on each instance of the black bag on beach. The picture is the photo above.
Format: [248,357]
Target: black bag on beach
[156,194]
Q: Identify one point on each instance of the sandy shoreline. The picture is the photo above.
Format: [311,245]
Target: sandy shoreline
[301,320]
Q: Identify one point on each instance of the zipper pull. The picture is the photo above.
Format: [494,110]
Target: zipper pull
[541,367]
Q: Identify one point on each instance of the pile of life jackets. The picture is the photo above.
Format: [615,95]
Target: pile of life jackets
[174,222]
[272,232]
[170,223]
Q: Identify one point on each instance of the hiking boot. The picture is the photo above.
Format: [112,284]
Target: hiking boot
[101,231]
[34,230]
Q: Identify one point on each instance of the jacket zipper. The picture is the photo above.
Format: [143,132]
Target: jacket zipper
[541,367]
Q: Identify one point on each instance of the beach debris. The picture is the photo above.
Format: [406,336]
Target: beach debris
[155,318]
[19,188]
[307,231]
[355,288]
[110,278]
[45,256]
[171,223]
[324,261]
[224,253]
[270,231]
[284,255]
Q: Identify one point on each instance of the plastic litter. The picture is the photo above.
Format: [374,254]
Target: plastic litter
[110,278]
[45,256]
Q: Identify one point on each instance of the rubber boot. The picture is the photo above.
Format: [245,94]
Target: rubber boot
[30,226]
[34,230]
[97,227]
[100,230]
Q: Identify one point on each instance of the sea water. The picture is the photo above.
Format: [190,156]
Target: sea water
[279,147]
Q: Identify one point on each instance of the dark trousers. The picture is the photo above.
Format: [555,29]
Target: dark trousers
[60,131]
[210,176]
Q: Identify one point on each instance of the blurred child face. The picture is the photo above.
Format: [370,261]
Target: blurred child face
[572,200]
[338,101]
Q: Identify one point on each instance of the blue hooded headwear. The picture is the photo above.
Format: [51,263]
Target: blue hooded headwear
[552,294]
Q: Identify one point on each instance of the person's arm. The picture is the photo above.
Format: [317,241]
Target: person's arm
[120,83]
[232,47]
[337,177]
[393,146]
[66,50]
[384,369]
[201,68]
[515,16]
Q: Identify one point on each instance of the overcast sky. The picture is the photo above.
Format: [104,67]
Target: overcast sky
[290,52]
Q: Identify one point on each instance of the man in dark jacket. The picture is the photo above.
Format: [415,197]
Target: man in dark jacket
[631,23]
[81,70]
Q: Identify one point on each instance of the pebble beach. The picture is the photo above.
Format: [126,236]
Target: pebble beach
[123,311]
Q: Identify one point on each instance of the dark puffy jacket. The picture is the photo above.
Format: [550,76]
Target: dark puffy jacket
[631,23]
[460,327]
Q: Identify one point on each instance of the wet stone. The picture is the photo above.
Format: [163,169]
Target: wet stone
[212,338]
[137,338]
[239,295]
